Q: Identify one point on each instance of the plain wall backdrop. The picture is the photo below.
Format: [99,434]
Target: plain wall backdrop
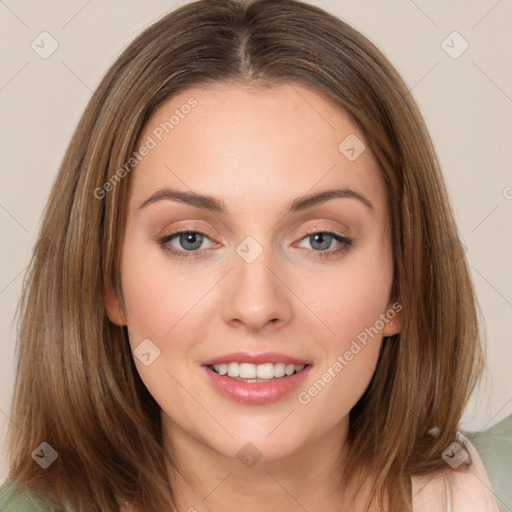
[454,55]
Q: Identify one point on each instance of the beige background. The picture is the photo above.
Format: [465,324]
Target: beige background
[467,103]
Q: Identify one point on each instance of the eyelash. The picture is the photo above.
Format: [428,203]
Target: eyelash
[347,243]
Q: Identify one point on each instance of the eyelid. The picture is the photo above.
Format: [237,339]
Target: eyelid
[325,226]
[316,229]
[183,255]
[186,228]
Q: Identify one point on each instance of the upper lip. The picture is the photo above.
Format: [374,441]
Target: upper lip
[248,357]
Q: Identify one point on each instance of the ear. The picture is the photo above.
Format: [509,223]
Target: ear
[393,325]
[113,306]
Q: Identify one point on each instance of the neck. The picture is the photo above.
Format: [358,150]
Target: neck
[308,479]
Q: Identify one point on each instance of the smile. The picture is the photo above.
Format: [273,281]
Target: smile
[256,372]
[256,379]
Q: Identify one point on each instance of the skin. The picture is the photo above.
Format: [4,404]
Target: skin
[256,150]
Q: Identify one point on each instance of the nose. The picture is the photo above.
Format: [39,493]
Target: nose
[256,296]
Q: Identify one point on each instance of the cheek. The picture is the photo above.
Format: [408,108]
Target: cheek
[351,306]
[350,299]
[156,298]
[163,305]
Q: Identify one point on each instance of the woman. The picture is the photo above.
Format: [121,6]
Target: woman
[315,345]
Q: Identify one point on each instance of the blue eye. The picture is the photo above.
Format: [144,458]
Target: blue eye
[191,242]
[324,240]
[321,241]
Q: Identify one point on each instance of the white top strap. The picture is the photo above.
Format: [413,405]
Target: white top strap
[464,489]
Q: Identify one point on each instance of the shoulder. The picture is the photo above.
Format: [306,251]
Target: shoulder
[464,489]
[495,447]
[13,498]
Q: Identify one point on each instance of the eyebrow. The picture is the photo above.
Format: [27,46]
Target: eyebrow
[218,206]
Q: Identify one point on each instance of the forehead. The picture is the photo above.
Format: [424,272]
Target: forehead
[253,144]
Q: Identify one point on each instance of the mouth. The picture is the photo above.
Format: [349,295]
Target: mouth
[250,373]
[256,379]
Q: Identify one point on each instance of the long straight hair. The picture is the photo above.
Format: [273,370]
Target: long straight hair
[77,387]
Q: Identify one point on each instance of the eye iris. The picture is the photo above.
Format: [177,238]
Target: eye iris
[323,238]
[195,239]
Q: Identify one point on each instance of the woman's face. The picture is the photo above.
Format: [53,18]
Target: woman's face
[263,281]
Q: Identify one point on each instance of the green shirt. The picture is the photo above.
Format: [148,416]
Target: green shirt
[27,501]
[494,446]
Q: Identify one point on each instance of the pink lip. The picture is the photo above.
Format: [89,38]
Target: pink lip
[266,357]
[257,393]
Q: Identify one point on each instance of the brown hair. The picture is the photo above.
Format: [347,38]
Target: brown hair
[77,387]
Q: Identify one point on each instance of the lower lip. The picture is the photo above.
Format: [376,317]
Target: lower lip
[257,393]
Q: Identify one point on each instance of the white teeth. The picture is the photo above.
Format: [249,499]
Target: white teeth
[247,371]
[259,371]
[233,370]
[279,369]
[265,371]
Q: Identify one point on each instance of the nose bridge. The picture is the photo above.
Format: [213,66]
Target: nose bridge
[255,295]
